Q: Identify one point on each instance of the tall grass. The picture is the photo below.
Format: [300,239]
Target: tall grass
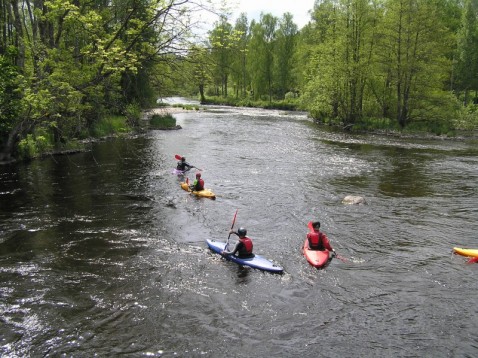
[110,125]
[165,121]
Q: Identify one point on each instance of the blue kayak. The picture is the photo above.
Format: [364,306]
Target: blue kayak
[257,261]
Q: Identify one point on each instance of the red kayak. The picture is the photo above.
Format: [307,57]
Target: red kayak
[316,258]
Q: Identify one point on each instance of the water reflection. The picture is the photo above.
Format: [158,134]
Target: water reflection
[406,174]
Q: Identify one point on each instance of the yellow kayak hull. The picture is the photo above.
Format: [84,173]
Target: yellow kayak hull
[466,252]
[206,193]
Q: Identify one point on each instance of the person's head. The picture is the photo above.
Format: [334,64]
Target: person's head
[198,175]
[316,225]
[183,159]
[242,232]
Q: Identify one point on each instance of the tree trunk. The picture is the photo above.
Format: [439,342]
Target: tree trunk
[201,93]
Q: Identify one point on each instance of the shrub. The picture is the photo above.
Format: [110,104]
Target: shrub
[165,121]
[109,125]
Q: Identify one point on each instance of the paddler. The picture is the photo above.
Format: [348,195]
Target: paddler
[198,184]
[243,247]
[318,240]
[183,165]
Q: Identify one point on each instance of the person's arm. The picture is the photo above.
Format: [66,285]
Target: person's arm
[233,251]
[327,243]
[308,240]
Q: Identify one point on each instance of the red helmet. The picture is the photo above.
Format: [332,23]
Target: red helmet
[198,175]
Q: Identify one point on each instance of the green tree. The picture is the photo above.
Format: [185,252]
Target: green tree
[261,54]
[239,60]
[466,67]
[284,54]
[220,39]
[415,43]
[81,58]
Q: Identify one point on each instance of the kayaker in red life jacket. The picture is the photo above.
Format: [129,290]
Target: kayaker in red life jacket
[318,240]
[243,247]
[198,183]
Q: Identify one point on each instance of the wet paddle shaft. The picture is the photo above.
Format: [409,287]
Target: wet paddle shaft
[232,226]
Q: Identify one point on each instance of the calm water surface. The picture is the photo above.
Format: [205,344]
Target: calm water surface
[102,253]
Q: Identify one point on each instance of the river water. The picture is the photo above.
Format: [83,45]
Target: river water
[102,253]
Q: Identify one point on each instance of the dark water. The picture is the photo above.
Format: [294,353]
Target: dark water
[103,254]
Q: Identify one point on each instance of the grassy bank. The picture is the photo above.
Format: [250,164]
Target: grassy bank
[42,141]
[291,104]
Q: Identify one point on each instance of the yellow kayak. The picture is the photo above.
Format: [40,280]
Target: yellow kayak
[206,193]
[466,252]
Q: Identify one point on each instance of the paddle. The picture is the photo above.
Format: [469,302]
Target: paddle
[179,157]
[310,226]
[232,226]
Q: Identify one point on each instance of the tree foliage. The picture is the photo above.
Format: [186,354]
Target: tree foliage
[77,59]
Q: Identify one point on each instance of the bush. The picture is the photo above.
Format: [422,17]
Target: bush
[109,125]
[467,118]
[34,145]
[165,121]
[133,114]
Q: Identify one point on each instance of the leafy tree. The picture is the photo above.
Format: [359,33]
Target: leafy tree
[466,67]
[261,52]
[416,42]
[9,94]
[286,43]
[239,60]
[221,42]
[81,58]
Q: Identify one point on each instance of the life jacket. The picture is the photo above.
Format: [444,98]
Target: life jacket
[246,249]
[315,241]
[182,165]
[199,184]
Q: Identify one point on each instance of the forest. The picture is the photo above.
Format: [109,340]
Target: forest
[73,69]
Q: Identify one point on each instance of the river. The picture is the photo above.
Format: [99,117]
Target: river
[102,253]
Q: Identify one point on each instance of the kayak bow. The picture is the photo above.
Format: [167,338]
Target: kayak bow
[466,252]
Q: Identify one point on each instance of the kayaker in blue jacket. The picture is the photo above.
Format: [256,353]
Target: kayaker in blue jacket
[243,247]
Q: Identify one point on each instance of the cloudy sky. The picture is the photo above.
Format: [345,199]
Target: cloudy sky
[253,8]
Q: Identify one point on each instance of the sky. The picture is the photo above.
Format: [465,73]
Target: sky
[253,8]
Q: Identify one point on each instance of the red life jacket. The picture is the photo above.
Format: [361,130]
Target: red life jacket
[199,185]
[246,249]
[315,241]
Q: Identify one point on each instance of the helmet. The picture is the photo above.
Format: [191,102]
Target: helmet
[183,159]
[316,224]
[198,175]
[242,231]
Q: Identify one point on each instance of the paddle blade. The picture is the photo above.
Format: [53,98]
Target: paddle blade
[310,226]
[341,258]
[178,157]
[187,181]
